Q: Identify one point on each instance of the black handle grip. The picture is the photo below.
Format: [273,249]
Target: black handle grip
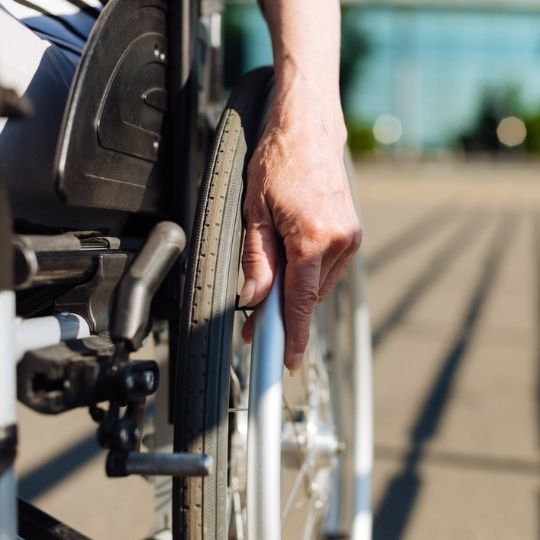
[141,281]
[151,463]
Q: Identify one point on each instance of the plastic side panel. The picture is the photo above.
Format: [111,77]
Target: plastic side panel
[111,150]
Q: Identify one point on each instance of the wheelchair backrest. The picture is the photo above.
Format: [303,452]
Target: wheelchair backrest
[111,151]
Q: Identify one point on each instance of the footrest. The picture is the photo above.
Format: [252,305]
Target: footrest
[157,464]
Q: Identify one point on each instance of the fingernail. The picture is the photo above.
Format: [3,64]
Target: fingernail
[246,295]
[296,363]
[293,372]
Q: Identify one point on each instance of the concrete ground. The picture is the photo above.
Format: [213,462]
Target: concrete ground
[453,254]
[454,259]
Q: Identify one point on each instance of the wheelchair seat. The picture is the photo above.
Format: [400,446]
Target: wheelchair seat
[111,147]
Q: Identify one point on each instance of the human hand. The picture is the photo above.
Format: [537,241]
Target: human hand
[298,194]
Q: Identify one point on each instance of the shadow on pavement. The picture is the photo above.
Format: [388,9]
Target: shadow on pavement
[45,477]
[399,499]
[435,268]
[414,234]
[48,475]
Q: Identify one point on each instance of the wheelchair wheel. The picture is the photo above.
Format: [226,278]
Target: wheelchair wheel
[309,468]
[203,371]
[319,497]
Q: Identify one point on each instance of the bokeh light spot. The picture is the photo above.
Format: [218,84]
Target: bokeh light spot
[511,131]
[387,129]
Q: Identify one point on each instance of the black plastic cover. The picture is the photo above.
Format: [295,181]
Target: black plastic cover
[8,446]
[34,524]
[131,312]
[111,145]
[42,374]
[6,255]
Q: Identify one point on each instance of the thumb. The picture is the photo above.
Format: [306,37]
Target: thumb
[258,260]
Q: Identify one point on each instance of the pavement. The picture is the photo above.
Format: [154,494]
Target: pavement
[453,254]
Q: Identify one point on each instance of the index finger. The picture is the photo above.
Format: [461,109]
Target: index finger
[301,296]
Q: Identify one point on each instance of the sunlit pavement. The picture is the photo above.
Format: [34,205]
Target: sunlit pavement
[453,252]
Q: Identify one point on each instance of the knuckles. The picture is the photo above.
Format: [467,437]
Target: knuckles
[254,210]
[357,236]
[302,304]
[347,239]
[315,230]
[314,238]
[252,257]
[341,240]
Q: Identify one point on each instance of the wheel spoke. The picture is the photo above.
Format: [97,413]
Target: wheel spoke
[284,408]
[297,482]
[287,407]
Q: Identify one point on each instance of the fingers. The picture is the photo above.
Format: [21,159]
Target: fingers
[301,295]
[247,329]
[318,227]
[333,261]
[339,267]
[259,255]
[312,270]
[335,275]
[302,292]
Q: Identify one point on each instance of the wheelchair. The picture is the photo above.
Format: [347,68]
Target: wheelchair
[256,454]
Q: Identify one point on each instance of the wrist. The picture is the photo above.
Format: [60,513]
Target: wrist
[311,78]
[302,105]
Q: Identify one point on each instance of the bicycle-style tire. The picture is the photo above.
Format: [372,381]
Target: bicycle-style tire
[202,385]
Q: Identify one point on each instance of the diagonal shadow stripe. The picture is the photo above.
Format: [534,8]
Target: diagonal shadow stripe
[48,475]
[435,268]
[54,471]
[398,501]
[465,460]
[408,238]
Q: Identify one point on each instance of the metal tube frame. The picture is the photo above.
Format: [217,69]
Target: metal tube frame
[41,332]
[8,392]
[8,488]
[363,407]
[264,417]
[18,336]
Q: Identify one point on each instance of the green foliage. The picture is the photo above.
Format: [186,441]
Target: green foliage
[361,139]
[532,141]
[494,105]
[234,34]
[354,49]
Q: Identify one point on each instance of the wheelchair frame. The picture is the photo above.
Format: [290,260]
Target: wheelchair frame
[131,126]
[108,282]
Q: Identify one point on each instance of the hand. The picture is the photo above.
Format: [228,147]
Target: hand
[298,193]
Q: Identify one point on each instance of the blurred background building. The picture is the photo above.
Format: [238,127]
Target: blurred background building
[423,76]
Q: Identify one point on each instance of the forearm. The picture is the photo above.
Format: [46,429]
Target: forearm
[297,192]
[306,44]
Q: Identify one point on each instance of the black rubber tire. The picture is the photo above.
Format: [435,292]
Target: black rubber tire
[202,385]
